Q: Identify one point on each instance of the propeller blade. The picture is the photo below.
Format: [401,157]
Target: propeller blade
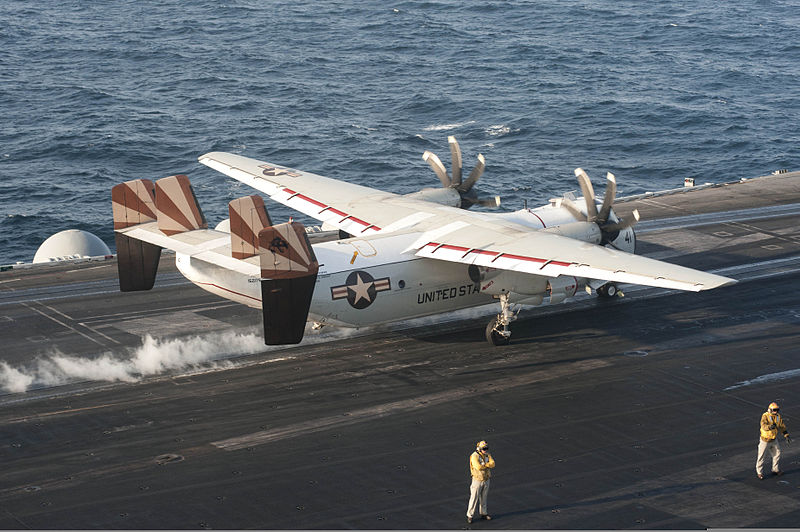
[588,194]
[438,167]
[455,153]
[467,185]
[608,199]
[623,223]
[572,208]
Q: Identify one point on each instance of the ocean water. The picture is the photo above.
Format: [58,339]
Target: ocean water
[96,93]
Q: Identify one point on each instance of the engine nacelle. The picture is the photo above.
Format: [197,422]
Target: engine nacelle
[562,287]
[479,274]
[443,196]
[625,241]
[506,282]
[583,231]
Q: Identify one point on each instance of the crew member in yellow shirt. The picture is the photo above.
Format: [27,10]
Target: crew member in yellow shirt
[771,423]
[481,464]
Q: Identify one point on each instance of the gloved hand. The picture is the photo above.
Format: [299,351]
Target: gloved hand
[788,439]
[773,426]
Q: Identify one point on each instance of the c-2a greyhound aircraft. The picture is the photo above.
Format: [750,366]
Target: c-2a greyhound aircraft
[394,257]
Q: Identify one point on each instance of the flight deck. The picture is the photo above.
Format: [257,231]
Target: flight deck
[639,412]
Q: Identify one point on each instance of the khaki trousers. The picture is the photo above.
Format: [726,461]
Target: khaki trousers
[478,496]
[774,449]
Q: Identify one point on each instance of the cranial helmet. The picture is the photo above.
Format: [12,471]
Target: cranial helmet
[773,407]
[482,445]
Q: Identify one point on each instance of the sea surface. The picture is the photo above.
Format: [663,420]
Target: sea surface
[96,93]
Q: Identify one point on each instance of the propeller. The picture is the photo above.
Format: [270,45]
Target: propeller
[608,227]
[469,197]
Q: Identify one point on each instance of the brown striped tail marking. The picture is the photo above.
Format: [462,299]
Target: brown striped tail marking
[176,206]
[248,217]
[133,203]
[289,273]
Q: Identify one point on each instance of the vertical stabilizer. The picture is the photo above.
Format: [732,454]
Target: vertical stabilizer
[289,272]
[176,206]
[133,203]
[248,217]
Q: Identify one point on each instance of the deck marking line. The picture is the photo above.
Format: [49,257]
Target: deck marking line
[764,379]
[81,324]
[404,406]
[73,329]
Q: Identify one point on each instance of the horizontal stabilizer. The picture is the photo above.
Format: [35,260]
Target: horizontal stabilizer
[289,273]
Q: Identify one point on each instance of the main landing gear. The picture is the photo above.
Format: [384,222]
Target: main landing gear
[497,331]
[609,291]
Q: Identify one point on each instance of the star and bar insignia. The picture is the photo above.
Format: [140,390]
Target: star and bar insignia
[360,289]
[275,171]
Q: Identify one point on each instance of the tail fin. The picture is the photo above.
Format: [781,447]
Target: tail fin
[248,217]
[177,208]
[133,203]
[289,272]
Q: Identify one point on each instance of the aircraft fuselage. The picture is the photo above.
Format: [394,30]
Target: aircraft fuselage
[359,283]
[365,281]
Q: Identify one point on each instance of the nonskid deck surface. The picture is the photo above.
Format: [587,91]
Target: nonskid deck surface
[638,413]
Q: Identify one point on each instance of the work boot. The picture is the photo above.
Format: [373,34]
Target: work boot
[487,517]
[777,473]
[760,476]
[469,520]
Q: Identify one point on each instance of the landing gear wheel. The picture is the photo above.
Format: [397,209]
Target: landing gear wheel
[495,336]
[608,290]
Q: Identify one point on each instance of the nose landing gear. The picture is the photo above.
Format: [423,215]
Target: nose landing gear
[497,331]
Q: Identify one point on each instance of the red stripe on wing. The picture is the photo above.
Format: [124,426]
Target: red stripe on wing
[324,207]
[468,251]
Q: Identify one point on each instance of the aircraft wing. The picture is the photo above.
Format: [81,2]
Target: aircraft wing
[356,209]
[452,234]
[552,255]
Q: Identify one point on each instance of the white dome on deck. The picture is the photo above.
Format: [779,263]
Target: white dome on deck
[224,226]
[70,244]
